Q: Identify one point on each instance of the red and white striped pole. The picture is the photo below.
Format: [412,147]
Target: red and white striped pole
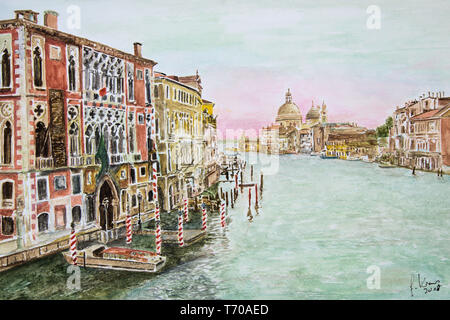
[158,237]
[186,212]
[73,245]
[180,228]
[129,229]
[155,182]
[222,213]
[157,216]
[204,217]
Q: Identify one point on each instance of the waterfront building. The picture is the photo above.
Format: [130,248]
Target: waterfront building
[75,124]
[344,140]
[249,144]
[184,120]
[289,134]
[211,153]
[420,135]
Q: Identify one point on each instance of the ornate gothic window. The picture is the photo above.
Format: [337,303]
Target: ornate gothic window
[72,75]
[74,140]
[130,81]
[42,140]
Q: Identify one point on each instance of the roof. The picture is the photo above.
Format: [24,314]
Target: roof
[431,114]
[74,39]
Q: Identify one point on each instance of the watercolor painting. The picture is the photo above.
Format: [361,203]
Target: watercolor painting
[224,150]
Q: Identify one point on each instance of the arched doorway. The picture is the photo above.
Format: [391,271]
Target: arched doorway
[107,202]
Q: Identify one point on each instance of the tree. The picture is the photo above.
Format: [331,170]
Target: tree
[383,130]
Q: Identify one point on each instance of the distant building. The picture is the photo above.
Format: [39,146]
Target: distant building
[289,134]
[420,136]
[344,140]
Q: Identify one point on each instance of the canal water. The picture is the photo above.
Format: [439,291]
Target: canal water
[324,228]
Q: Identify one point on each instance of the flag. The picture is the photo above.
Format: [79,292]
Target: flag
[102,155]
[102,92]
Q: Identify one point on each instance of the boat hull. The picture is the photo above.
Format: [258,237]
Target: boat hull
[86,260]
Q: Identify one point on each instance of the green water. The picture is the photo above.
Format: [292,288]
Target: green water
[321,225]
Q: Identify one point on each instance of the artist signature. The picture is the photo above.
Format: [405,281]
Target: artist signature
[426,286]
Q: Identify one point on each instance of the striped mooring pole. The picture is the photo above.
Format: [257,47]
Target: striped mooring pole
[157,216]
[180,228]
[129,229]
[186,210]
[204,217]
[158,237]
[222,213]
[73,245]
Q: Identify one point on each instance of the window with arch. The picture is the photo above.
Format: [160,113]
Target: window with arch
[72,73]
[6,68]
[74,139]
[43,222]
[76,214]
[7,143]
[37,67]
[42,140]
[7,194]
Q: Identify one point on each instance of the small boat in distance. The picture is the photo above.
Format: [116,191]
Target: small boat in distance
[386,165]
[116,258]
[326,155]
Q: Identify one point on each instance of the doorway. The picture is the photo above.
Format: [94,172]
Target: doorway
[106,202]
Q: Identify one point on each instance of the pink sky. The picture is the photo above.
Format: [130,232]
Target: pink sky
[255,97]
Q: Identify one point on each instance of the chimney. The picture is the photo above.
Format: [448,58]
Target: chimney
[137,49]
[51,19]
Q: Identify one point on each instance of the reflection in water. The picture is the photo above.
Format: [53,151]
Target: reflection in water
[321,224]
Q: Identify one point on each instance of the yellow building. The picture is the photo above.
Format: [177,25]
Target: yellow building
[180,133]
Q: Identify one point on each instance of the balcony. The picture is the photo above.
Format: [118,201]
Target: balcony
[76,161]
[90,160]
[116,159]
[44,163]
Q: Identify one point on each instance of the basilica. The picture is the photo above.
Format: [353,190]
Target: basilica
[289,134]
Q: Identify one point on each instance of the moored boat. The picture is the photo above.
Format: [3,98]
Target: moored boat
[116,258]
[386,165]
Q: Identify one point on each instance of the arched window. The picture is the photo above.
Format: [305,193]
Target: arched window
[42,140]
[89,139]
[74,139]
[43,222]
[76,214]
[7,143]
[37,67]
[6,69]
[72,83]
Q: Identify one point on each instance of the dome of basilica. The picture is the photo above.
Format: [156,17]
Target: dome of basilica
[313,113]
[289,110]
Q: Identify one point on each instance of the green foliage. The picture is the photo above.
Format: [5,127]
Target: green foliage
[383,130]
